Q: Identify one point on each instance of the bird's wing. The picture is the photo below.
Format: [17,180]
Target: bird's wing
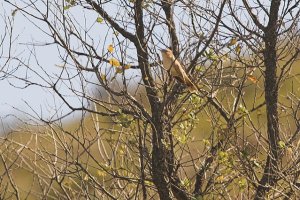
[177,70]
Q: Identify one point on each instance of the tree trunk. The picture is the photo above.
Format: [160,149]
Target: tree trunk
[271,96]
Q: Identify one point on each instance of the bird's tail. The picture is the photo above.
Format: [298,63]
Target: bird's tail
[191,86]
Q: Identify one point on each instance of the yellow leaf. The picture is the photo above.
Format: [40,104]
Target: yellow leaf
[148,183]
[238,49]
[103,77]
[114,62]
[232,42]
[252,78]
[206,142]
[101,173]
[127,66]
[110,48]
[220,179]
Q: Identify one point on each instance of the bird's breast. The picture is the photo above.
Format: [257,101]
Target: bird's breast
[167,63]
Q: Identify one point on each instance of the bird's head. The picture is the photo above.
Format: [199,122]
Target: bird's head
[166,52]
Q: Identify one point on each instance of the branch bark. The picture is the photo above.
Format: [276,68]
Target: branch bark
[116,26]
[167,7]
[271,95]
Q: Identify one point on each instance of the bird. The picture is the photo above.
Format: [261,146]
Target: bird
[173,66]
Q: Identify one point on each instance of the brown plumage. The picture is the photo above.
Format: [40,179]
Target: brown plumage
[171,64]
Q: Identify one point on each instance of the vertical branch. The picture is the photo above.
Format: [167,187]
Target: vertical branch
[143,58]
[159,166]
[177,190]
[142,163]
[271,95]
[167,7]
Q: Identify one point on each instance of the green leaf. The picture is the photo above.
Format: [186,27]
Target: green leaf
[242,183]
[242,109]
[210,54]
[281,144]
[199,68]
[67,7]
[206,142]
[71,2]
[99,19]
[124,120]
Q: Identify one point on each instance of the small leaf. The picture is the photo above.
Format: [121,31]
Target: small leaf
[206,142]
[242,109]
[238,49]
[181,125]
[110,48]
[185,182]
[99,19]
[101,173]
[114,62]
[149,183]
[199,68]
[223,156]
[103,77]
[67,7]
[242,183]
[232,42]
[127,66]
[252,78]
[182,139]
[14,12]
[72,2]
[281,144]
[211,55]
[124,120]
[220,179]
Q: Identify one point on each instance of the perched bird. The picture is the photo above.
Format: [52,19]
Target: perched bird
[172,65]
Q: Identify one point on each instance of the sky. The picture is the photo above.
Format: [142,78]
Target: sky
[20,102]
[16,101]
